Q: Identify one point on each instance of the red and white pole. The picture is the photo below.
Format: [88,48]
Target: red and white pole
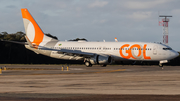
[165,30]
[164,23]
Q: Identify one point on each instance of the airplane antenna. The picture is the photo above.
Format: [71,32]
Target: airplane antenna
[164,23]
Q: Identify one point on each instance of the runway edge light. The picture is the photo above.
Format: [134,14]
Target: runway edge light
[0,70]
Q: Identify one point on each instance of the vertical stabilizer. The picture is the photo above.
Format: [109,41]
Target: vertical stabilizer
[33,32]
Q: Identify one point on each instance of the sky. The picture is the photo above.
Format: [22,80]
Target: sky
[96,20]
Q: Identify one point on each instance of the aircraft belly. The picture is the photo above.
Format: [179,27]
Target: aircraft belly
[37,51]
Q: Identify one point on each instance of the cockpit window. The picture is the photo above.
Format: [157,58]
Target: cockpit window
[167,48]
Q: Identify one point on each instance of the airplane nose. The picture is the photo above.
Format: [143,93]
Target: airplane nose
[173,54]
[176,54]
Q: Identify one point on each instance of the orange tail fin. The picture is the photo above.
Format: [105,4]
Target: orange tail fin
[33,31]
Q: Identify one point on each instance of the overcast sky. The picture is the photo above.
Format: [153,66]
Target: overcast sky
[96,20]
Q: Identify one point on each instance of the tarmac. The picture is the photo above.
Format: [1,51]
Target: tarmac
[77,82]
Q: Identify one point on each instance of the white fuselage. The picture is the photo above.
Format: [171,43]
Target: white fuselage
[117,50]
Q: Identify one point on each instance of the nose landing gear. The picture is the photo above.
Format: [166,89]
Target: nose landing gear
[160,65]
[161,62]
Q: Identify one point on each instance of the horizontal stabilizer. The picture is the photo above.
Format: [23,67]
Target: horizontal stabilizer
[23,43]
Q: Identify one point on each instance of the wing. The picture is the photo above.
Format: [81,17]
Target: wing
[69,52]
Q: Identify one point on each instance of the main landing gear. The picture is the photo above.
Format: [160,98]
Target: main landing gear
[103,65]
[88,64]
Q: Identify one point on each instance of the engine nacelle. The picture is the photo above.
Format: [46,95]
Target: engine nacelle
[101,59]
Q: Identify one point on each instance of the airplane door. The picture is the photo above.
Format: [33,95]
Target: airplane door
[155,50]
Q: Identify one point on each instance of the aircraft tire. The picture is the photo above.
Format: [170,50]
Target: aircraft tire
[103,65]
[160,65]
[88,64]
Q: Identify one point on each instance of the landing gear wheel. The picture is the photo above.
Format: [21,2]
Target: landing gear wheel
[103,65]
[88,64]
[160,65]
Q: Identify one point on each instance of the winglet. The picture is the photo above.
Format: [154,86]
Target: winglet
[115,39]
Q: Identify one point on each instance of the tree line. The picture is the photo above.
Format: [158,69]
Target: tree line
[12,53]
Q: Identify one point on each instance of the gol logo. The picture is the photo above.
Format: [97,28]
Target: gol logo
[130,51]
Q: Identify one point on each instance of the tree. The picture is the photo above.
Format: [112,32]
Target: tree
[78,39]
[54,37]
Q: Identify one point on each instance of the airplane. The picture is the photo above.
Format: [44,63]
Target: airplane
[92,53]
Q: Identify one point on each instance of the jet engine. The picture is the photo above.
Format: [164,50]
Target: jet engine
[101,59]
